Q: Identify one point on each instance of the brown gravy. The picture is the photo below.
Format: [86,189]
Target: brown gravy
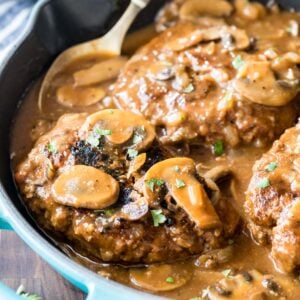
[31,123]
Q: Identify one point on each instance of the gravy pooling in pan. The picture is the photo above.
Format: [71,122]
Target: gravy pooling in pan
[137,166]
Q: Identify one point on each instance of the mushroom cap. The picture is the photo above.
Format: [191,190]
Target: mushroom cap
[155,277]
[178,175]
[122,125]
[71,96]
[198,8]
[257,82]
[85,187]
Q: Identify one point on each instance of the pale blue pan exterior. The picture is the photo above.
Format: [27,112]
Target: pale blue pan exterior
[95,286]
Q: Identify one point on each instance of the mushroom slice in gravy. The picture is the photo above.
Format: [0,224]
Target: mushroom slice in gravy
[119,127]
[85,187]
[69,96]
[158,278]
[257,82]
[197,8]
[179,176]
[249,285]
[239,38]
[103,71]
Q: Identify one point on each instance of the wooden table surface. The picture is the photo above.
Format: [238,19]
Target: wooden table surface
[20,265]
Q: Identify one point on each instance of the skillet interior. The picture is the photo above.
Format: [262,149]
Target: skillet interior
[63,29]
[60,24]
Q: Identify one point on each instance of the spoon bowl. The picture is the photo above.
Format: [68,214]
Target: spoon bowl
[109,45]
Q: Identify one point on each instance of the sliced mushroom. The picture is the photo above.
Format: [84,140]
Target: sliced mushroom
[257,82]
[120,127]
[70,96]
[249,11]
[135,209]
[187,191]
[239,38]
[215,191]
[197,8]
[214,258]
[136,164]
[250,285]
[85,187]
[159,278]
[103,71]
[218,173]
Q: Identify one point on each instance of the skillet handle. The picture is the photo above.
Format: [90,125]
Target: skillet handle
[3,222]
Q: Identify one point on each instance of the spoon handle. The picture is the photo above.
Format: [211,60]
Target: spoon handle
[114,38]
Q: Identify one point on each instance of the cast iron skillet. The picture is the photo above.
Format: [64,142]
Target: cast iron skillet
[55,25]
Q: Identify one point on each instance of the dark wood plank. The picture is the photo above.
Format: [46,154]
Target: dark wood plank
[20,265]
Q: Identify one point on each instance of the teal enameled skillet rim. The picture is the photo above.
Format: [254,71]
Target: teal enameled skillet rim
[53,26]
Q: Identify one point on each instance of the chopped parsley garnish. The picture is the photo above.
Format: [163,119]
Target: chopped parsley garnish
[271,166]
[226,273]
[176,169]
[20,291]
[189,89]
[138,135]
[238,62]
[179,183]
[264,183]
[93,141]
[218,148]
[158,217]
[102,132]
[153,182]
[109,212]
[170,279]
[51,147]
[132,153]
[95,136]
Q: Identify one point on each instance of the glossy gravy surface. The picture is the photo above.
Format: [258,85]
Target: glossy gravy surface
[30,123]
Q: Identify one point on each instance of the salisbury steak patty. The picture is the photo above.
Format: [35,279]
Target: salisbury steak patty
[104,183]
[213,83]
[273,200]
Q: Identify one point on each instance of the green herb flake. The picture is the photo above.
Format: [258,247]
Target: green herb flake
[179,183]
[226,272]
[170,279]
[218,148]
[137,139]
[153,182]
[264,183]
[102,132]
[132,153]
[139,134]
[93,141]
[51,147]
[21,292]
[230,242]
[158,217]
[189,89]
[238,62]
[271,166]
[176,169]
[109,212]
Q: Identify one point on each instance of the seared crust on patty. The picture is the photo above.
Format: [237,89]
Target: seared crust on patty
[109,234]
[192,90]
[273,200]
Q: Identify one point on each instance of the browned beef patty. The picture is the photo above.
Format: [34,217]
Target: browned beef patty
[273,200]
[105,233]
[189,85]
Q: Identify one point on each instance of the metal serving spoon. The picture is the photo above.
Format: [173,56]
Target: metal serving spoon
[110,43]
